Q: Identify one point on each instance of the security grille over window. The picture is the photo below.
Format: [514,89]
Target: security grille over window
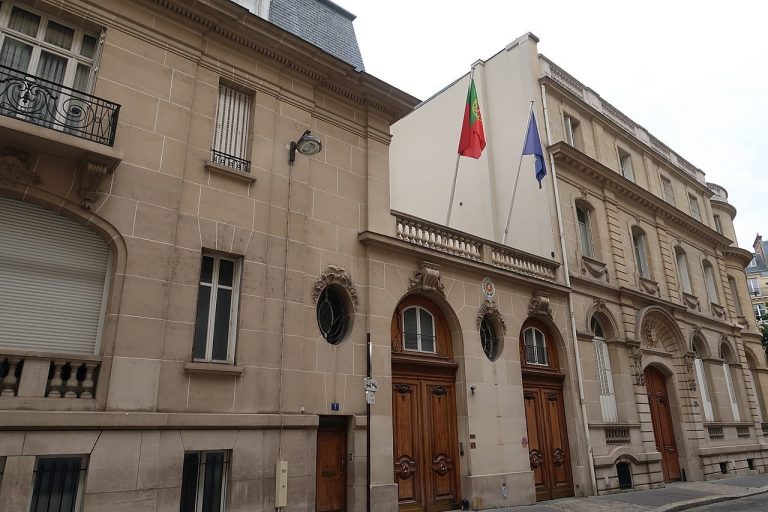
[58,484]
[418,330]
[46,69]
[230,136]
[488,338]
[204,481]
[217,298]
[535,347]
[332,314]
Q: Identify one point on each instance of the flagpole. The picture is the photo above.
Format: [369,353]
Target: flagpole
[517,178]
[456,170]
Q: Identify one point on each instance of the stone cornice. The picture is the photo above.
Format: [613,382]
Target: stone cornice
[728,207]
[743,256]
[565,154]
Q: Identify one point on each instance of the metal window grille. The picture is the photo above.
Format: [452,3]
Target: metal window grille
[230,136]
[204,481]
[58,484]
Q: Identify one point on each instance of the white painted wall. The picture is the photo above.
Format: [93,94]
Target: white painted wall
[424,148]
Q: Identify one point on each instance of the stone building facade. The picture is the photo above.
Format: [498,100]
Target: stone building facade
[757,279]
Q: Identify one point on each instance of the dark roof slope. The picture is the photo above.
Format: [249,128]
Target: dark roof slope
[322,23]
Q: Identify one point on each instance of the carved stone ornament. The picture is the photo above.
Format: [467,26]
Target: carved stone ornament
[427,278]
[723,337]
[89,175]
[649,286]
[339,276]
[651,336]
[16,167]
[600,305]
[636,359]
[539,305]
[691,301]
[489,307]
[688,361]
[697,330]
[595,267]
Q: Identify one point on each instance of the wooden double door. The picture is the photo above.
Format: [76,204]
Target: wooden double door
[663,429]
[425,443]
[548,439]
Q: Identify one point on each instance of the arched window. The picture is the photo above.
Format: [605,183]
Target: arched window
[535,347]
[53,277]
[488,338]
[709,280]
[735,295]
[640,245]
[682,270]
[727,356]
[583,218]
[604,374]
[333,314]
[418,329]
[701,378]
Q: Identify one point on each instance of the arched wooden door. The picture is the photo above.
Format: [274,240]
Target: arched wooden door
[545,413]
[425,433]
[663,429]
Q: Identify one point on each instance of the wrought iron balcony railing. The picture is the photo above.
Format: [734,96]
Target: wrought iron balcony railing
[44,103]
[220,158]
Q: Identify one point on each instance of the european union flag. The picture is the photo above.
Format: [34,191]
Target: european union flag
[533,147]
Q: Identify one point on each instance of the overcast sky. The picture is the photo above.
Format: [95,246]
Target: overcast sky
[692,73]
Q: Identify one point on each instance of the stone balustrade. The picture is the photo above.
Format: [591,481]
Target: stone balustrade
[439,238]
[50,376]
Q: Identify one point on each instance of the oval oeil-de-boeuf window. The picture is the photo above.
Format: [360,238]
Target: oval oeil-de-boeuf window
[332,314]
[488,338]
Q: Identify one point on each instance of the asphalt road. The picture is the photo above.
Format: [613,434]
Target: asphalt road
[756,503]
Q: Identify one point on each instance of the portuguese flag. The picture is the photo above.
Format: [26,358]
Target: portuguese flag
[472,141]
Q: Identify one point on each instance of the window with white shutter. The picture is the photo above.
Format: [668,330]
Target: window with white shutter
[230,136]
[727,356]
[701,378]
[53,275]
[604,375]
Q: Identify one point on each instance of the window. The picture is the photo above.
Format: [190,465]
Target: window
[725,354]
[230,135]
[204,481]
[418,330]
[641,254]
[682,270]
[667,192]
[709,280]
[625,163]
[701,378]
[217,299]
[34,43]
[332,314]
[535,346]
[53,281]
[718,224]
[604,375]
[58,484]
[752,263]
[585,231]
[754,287]
[760,311]
[571,130]
[488,338]
[735,295]
[258,7]
[694,203]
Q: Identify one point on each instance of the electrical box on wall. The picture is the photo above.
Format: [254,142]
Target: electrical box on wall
[281,484]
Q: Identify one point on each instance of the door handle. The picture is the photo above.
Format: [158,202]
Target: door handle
[343,464]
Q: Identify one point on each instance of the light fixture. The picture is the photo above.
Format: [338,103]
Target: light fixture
[307,145]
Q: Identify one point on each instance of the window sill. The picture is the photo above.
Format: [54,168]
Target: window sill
[691,301]
[595,267]
[229,171]
[213,368]
[649,286]
[717,310]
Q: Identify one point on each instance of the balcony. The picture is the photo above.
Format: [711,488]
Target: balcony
[50,105]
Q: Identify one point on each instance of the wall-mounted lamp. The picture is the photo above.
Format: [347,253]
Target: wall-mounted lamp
[307,145]
[472,388]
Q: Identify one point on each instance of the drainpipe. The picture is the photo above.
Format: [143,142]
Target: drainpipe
[579,374]
[369,350]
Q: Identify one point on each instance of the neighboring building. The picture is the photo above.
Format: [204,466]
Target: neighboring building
[161,260]
[757,279]
[623,356]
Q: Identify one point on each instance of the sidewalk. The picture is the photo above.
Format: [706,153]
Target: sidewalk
[674,497]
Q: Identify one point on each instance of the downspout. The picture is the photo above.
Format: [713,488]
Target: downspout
[579,373]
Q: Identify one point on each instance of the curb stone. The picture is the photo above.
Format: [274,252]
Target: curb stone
[711,500]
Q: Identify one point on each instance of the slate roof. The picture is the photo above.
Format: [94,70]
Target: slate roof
[761,265]
[322,23]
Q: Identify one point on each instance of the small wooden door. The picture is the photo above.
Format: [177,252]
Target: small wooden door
[663,429]
[331,469]
[548,442]
[425,437]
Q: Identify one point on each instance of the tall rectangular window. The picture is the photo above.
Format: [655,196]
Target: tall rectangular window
[230,135]
[718,224]
[709,280]
[605,379]
[625,163]
[667,192]
[204,481]
[58,484]
[217,300]
[698,364]
[682,269]
[641,255]
[571,130]
[731,391]
[695,212]
[754,287]
[760,311]
[585,231]
[735,295]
